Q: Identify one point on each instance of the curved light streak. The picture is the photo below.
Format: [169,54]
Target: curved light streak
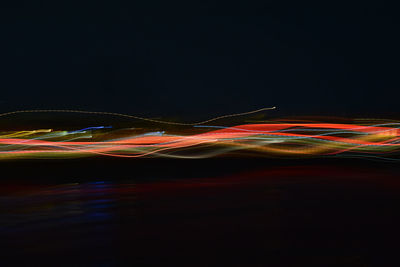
[275,139]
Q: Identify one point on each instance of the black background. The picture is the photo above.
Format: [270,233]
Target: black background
[195,60]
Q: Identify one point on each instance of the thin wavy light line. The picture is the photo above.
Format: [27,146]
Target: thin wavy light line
[131,116]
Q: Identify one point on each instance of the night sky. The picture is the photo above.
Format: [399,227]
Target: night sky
[199,60]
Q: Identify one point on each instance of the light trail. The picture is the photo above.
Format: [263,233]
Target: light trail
[278,139]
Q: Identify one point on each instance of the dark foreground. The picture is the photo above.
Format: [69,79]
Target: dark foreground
[231,212]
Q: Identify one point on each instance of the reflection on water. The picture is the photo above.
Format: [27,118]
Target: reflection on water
[324,214]
[77,218]
[26,209]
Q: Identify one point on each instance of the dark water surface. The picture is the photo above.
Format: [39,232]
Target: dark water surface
[234,213]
